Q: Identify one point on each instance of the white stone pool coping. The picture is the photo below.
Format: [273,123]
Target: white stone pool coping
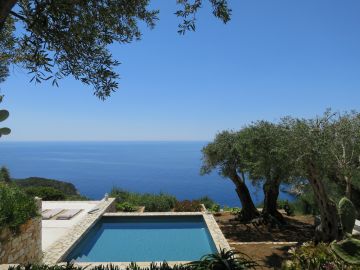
[57,252]
[60,248]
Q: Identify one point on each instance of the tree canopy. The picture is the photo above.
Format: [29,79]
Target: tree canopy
[54,39]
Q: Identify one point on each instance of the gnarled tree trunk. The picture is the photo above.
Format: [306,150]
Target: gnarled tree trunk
[248,211]
[328,230]
[271,194]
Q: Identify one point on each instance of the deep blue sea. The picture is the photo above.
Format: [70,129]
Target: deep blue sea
[95,167]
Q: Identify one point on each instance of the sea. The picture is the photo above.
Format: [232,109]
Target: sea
[96,167]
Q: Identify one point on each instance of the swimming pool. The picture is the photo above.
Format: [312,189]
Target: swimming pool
[145,239]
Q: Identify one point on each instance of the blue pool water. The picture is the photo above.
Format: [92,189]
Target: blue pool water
[144,239]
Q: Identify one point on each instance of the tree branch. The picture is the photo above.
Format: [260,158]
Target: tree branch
[18,16]
[5,8]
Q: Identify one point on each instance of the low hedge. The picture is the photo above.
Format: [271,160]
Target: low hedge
[187,206]
[161,202]
[16,207]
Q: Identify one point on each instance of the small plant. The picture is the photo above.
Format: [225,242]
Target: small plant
[187,206]
[215,208]
[125,207]
[347,215]
[225,260]
[348,250]
[315,257]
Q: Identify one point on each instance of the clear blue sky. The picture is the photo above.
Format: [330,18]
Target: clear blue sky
[274,58]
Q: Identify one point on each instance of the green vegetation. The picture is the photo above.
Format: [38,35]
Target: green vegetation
[161,202]
[320,155]
[49,189]
[16,207]
[316,257]
[207,202]
[226,155]
[348,250]
[30,36]
[67,188]
[347,215]
[225,260]
[4,114]
[45,193]
[5,175]
[126,207]
[187,206]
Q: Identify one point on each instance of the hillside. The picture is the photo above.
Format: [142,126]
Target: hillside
[58,189]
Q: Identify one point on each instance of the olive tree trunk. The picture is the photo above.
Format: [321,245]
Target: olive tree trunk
[328,230]
[271,194]
[248,211]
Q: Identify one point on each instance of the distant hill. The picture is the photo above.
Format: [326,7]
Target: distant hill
[67,188]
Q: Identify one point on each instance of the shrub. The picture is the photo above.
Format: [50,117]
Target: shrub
[215,208]
[45,193]
[187,206]
[347,215]
[158,203]
[126,207]
[207,202]
[5,175]
[16,207]
[315,257]
[161,202]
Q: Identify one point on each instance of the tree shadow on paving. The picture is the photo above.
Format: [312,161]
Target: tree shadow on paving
[295,230]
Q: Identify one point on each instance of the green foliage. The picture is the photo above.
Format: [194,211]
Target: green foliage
[161,202]
[4,114]
[347,215]
[207,202]
[45,193]
[225,260]
[125,207]
[187,206]
[315,257]
[16,207]
[215,208]
[5,175]
[232,210]
[65,187]
[35,36]
[348,250]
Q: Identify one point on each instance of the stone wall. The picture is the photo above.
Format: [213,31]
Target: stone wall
[24,247]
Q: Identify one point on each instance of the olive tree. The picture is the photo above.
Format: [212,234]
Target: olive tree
[225,154]
[345,148]
[267,160]
[54,39]
[311,145]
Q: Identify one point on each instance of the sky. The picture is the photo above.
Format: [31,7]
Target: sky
[273,59]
